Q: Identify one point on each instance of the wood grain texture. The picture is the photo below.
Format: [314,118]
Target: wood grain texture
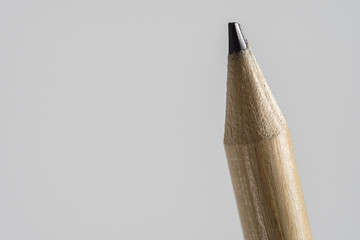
[260,157]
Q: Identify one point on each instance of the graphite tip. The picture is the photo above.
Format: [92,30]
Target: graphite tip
[237,40]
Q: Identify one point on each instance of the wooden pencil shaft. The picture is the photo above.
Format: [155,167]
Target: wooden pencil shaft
[260,157]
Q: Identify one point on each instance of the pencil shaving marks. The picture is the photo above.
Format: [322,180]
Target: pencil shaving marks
[252,113]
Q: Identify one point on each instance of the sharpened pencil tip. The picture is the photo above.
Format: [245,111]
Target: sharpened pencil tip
[237,40]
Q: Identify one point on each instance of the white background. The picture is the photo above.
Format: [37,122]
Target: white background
[112,115]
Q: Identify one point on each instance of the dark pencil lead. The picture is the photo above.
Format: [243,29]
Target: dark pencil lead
[237,40]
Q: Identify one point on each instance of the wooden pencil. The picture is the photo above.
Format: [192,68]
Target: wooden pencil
[259,152]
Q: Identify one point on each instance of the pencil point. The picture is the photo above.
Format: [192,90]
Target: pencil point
[237,40]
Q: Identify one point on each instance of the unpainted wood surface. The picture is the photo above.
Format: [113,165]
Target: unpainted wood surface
[260,157]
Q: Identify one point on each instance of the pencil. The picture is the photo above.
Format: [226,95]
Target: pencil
[259,152]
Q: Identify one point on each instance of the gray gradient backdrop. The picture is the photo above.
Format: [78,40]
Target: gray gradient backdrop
[112,115]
